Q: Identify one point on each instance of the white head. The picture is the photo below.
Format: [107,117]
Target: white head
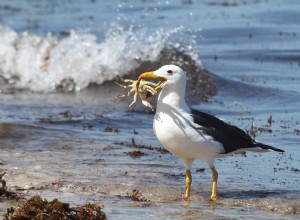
[170,75]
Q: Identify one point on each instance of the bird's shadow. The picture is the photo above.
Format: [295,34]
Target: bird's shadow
[178,118]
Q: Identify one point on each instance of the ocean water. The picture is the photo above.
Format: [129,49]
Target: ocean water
[63,135]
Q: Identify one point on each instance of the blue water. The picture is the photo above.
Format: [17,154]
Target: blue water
[73,145]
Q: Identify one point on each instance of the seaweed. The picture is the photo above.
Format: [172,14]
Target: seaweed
[136,153]
[39,209]
[4,193]
[139,146]
[136,196]
[109,129]
[297,131]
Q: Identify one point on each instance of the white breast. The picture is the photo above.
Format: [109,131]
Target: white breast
[176,131]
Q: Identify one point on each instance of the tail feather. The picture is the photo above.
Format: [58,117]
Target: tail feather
[267,147]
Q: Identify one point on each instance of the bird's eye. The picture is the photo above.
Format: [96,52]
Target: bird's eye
[170,72]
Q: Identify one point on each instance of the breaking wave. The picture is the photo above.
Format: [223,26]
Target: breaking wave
[72,63]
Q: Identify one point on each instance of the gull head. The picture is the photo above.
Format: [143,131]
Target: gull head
[168,75]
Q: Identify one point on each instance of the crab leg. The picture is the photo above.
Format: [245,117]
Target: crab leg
[134,100]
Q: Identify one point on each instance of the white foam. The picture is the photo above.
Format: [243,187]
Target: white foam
[29,61]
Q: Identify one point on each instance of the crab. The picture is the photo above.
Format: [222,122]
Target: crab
[145,89]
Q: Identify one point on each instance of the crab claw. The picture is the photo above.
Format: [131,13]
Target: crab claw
[149,95]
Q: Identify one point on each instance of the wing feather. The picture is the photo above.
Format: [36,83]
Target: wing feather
[231,137]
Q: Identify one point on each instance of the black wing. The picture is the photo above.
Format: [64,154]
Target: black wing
[231,137]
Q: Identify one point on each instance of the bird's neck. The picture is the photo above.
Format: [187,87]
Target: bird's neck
[173,95]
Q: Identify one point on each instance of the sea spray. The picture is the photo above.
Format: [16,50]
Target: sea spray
[48,64]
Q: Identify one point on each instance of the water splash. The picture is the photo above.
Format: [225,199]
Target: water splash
[47,64]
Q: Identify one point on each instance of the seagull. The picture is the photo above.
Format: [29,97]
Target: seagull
[191,134]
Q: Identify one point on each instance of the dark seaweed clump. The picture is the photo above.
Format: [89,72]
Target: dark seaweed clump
[4,193]
[39,209]
[136,196]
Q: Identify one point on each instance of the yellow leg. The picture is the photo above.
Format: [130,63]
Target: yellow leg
[214,184]
[188,181]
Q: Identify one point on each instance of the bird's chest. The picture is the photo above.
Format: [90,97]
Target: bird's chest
[173,130]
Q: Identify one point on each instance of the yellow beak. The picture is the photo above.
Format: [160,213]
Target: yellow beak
[147,75]
[150,75]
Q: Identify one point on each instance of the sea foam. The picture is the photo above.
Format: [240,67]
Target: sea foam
[47,63]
